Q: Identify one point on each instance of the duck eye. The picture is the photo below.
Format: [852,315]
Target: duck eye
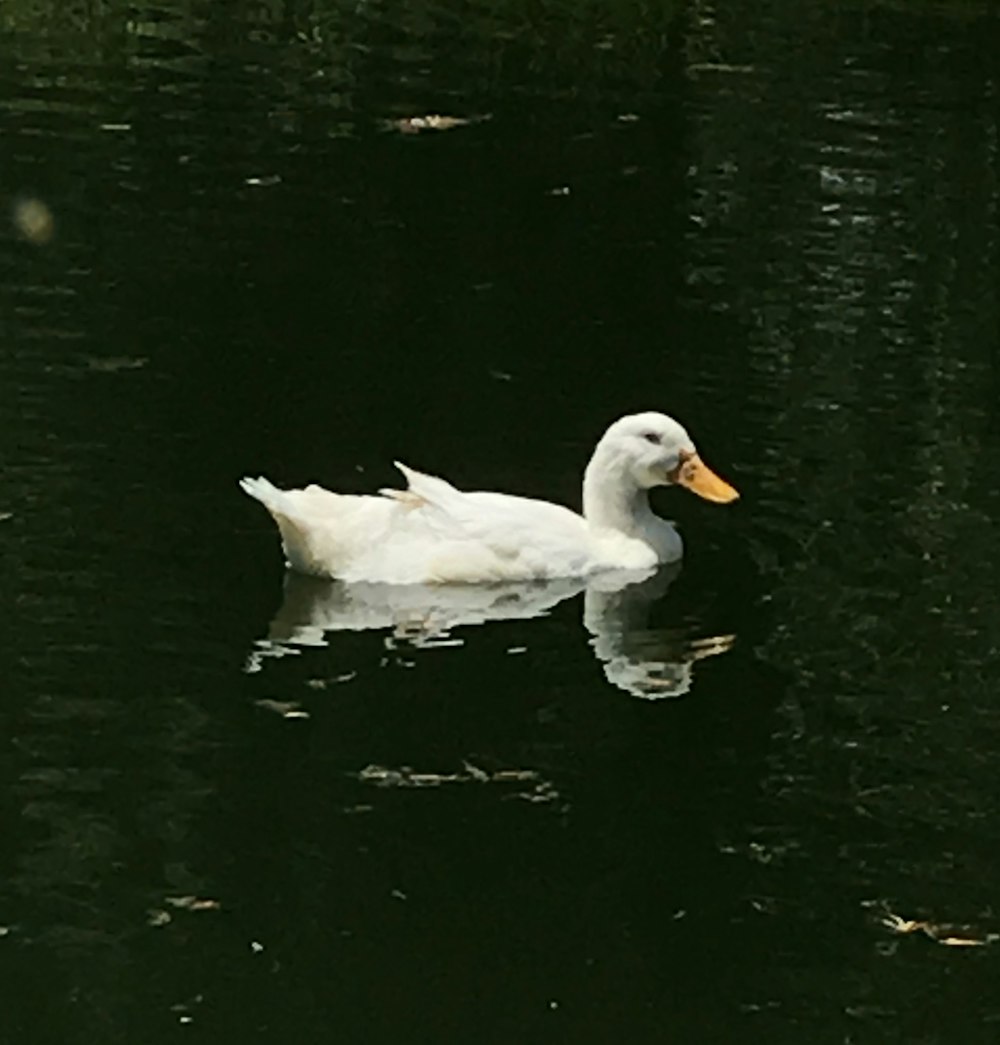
[651,437]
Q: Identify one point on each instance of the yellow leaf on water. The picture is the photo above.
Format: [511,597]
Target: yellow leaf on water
[946,935]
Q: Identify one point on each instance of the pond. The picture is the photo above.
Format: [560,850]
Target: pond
[754,798]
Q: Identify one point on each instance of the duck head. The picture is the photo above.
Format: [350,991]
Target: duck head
[652,449]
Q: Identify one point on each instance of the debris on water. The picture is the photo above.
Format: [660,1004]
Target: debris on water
[186,1006]
[156,917]
[264,181]
[541,794]
[433,122]
[966,941]
[946,935]
[475,772]
[34,221]
[116,126]
[559,190]
[763,904]
[193,903]
[4,516]
[719,67]
[284,708]
[398,894]
[256,947]
[517,776]
[406,776]
[514,650]
[114,364]
[628,117]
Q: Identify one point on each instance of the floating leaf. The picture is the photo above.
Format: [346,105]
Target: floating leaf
[433,122]
[901,925]
[347,676]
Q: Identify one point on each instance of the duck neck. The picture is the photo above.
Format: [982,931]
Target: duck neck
[611,499]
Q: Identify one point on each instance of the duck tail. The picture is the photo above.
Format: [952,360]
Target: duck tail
[299,539]
[263,490]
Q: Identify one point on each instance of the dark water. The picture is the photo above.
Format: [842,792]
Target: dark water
[777,222]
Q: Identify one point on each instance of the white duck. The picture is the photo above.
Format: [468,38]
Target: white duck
[432,533]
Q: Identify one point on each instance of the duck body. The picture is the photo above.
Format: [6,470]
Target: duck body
[433,533]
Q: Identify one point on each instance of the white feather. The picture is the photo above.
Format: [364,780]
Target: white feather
[435,533]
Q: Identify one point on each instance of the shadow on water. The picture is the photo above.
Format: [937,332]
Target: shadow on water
[776,222]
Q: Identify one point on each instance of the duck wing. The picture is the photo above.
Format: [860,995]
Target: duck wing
[484,536]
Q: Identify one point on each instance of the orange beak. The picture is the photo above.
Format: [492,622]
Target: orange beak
[693,473]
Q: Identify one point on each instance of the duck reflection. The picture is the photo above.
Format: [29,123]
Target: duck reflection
[643,660]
